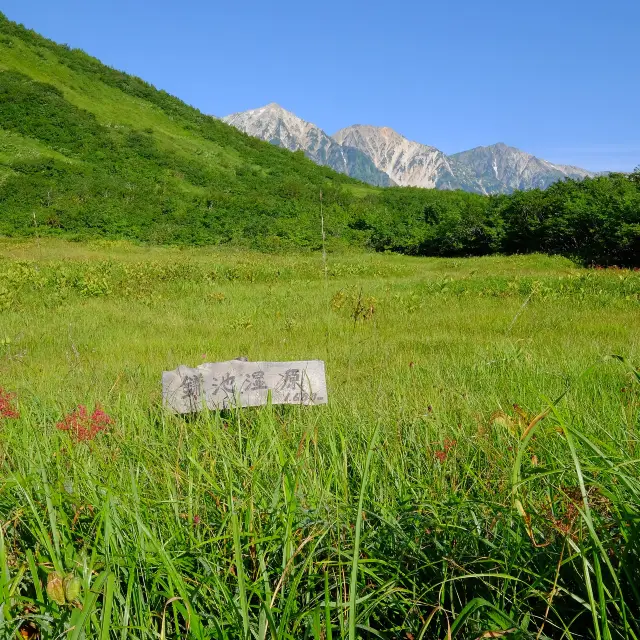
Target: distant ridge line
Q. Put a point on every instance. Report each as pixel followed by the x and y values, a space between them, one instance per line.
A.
pixel 383 157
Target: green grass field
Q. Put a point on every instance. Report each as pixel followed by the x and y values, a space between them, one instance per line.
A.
pixel 425 501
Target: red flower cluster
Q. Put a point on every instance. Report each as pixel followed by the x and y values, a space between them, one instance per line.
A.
pixel 7 406
pixel 442 454
pixel 83 426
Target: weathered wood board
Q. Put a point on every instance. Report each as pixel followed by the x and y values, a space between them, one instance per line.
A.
pixel 238 383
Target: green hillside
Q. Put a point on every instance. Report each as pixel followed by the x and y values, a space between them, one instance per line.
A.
pixel 86 150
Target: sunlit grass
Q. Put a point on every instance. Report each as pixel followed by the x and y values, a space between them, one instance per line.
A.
pixel 244 524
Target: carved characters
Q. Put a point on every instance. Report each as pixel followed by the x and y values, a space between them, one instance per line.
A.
pixel 239 383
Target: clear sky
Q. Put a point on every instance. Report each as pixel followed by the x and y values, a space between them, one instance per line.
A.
pixel 557 78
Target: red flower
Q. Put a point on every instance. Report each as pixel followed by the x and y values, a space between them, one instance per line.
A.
pixel 449 443
pixel 83 426
pixel 441 455
pixel 7 406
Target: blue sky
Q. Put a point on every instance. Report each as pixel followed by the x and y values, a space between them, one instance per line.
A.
pixel 560 79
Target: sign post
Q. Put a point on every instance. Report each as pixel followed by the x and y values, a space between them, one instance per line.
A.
pixel 238 383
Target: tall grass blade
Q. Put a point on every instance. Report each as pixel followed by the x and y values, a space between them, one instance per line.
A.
pixel 353 583
pixel 107 607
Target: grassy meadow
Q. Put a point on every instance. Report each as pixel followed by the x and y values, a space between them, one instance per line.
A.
pixel 475 471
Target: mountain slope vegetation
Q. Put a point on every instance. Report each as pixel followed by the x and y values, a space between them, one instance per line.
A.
pixel 86 150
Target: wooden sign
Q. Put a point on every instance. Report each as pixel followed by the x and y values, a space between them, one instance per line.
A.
pixel 238 383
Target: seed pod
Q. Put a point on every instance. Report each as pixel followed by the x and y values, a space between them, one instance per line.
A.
pixel 55 587
pixel 72 585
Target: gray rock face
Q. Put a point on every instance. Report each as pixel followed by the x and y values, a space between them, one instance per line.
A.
pixel 502 169
pixel 408 164
pixel 284 129
pixel 494 169
pixel 383 157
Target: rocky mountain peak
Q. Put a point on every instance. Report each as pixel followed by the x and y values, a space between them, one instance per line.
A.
pixel 384 157
pixel 407 163
pixel 284 129
pixel 501 168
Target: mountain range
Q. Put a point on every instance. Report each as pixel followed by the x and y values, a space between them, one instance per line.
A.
pixel 383 157
pixel 284 129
